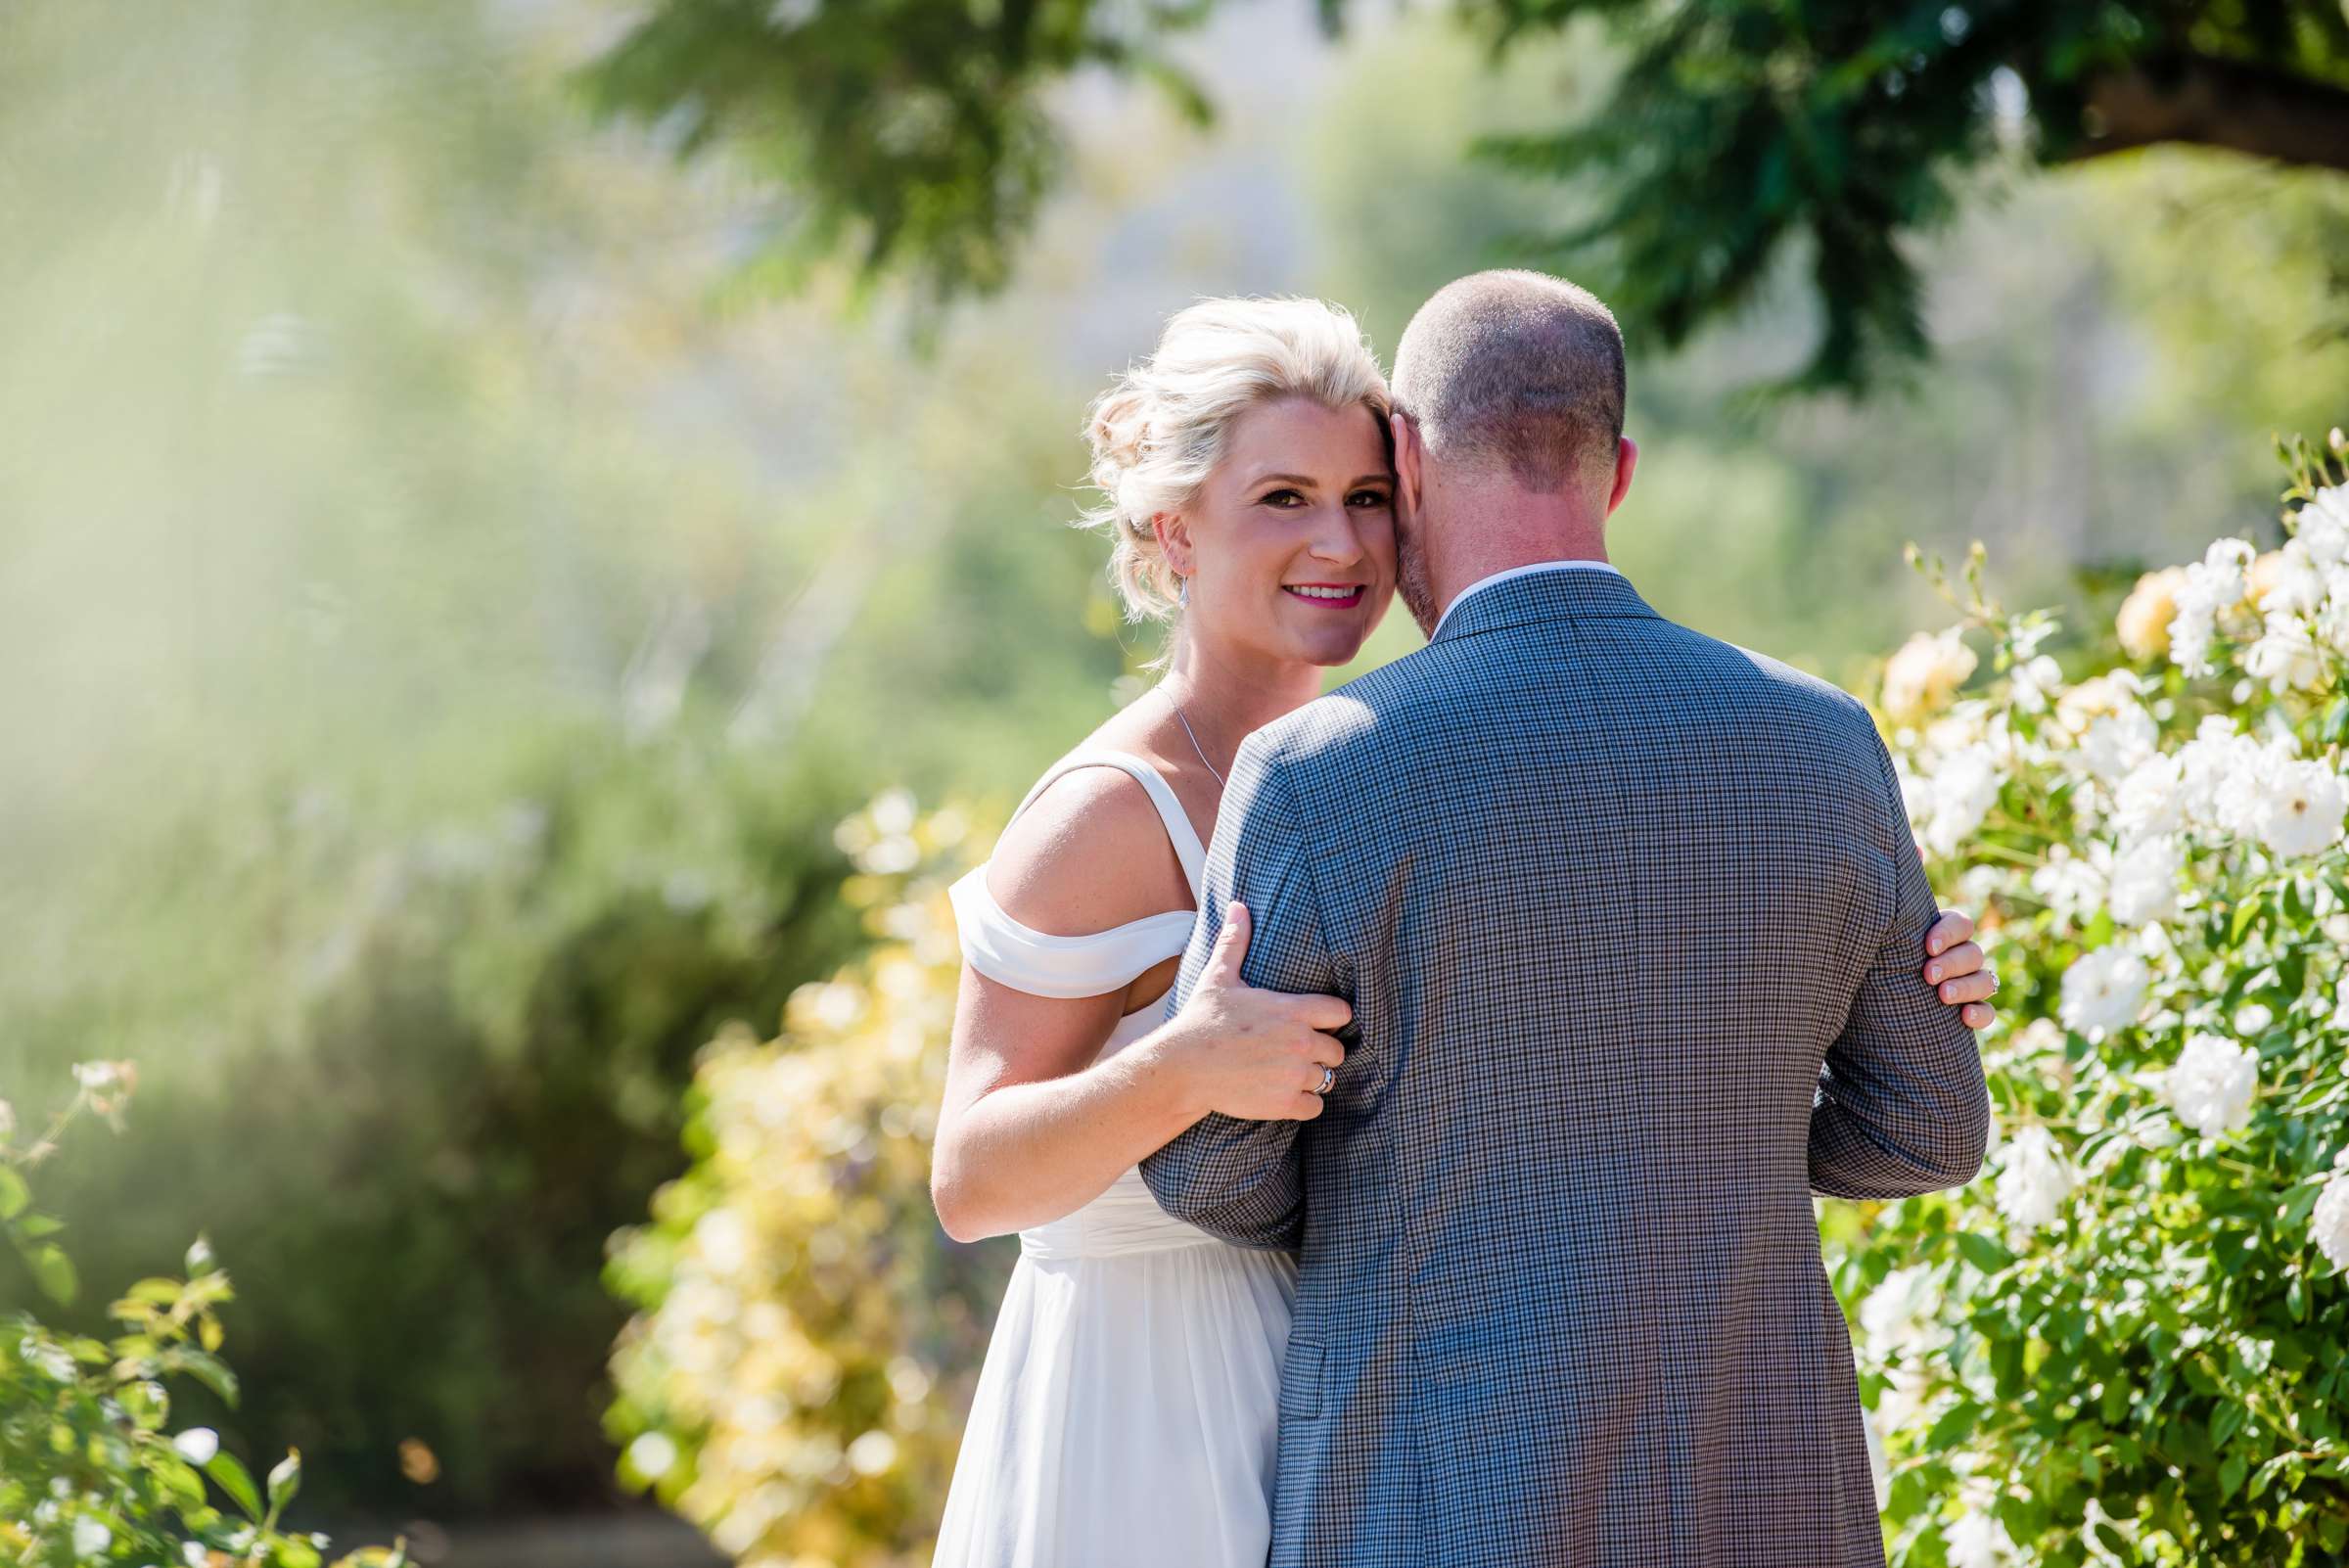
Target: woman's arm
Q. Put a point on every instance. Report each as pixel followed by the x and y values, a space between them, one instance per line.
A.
pixel 1032 1127
pixel 1026 1138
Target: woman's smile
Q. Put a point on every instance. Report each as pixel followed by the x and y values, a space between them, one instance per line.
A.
pixel 1327 595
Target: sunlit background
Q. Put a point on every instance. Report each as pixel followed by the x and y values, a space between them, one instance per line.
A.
pixel 448 600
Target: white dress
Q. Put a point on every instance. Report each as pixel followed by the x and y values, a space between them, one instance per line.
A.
pixel 1126 1415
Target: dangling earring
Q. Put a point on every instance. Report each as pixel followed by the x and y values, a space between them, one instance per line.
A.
pixel 1183 592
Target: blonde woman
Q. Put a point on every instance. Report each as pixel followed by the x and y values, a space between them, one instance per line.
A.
pixel 1126 1415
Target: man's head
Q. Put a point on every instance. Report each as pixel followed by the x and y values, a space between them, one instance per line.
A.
pixel 1509 386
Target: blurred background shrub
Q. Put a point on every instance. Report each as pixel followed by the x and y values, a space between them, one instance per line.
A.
pixel 809 1337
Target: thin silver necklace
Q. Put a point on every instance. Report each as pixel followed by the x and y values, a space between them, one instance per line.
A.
pixel 1185 722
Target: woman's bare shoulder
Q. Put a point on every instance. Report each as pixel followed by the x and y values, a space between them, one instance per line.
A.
pixel 1090 853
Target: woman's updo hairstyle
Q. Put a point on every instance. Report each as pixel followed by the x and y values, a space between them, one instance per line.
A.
pixel 1161 427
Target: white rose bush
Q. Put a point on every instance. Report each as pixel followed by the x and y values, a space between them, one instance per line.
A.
pixel 2129 1342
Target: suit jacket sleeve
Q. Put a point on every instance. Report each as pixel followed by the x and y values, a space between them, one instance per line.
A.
pixel 1242 1181
pixel 1902 1106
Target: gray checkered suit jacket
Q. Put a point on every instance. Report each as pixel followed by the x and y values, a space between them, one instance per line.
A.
pixel 1632 925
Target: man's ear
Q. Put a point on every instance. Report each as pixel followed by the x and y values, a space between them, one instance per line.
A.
pixel 1627 458
pixel 1409 470
pixel 1173 541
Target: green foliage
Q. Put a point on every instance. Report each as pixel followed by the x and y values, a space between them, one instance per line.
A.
pixel 1739 127
pixel 2125 1346
pixel 88 1473
pixel 808 1337
pixel 1736 132
pixel 448 645
pixel 912 132
pixel 440 1064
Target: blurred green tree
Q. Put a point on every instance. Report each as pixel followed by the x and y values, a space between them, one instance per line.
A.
pixel 915 132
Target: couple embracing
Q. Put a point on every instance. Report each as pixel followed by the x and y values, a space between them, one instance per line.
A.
pixel 1409 1100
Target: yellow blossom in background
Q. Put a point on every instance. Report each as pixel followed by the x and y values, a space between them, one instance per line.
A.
pixel 2266 573
pixel 1926 672
pixel 797 1381
pixel 2144 618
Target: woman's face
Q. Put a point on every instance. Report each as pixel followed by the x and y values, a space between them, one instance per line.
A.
pixel 1290 545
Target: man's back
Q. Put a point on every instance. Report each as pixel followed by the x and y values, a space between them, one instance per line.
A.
pixel 1603 894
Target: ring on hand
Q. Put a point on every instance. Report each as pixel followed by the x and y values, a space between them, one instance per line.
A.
pixel 1329 1076
pixel 1994 980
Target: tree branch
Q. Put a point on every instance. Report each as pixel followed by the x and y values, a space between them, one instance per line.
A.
pixel 2210 102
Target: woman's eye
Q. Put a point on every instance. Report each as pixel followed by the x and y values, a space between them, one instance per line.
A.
pixel 1283 499
pixel 1368 498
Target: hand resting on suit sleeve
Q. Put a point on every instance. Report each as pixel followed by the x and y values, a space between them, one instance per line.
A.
pixel 1238 1179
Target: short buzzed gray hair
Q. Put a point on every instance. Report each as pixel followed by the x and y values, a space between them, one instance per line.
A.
pixel 1515 369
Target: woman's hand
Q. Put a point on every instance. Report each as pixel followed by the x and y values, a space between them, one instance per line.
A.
pixel 1955 969
pixel 1257 1056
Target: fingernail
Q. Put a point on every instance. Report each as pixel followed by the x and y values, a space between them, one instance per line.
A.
pixel 1933 973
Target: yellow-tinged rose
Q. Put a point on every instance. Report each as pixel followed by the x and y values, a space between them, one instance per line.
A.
pixel 1925 675
pixel 2266 573
pixel 2100 697
pixel 2145 614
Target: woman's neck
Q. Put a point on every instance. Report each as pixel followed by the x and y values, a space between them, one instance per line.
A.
pixel 1227 698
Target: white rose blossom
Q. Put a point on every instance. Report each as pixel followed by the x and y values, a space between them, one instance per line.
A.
pixel 2035 1181
pixel 2295 579
pixel 2145 882
pixel 2300 810
pixel 1977 1541
pixel 2213 585
pixel 2150 802
pixel 2323 525
pixel 2074 886
pixel 2329 1224
pixel 1895 1315
pixel 2030 682
pixel 2286 656
pixel 2117 743
pixel 2213 1084
pixel 1964 789
pixel 2103 990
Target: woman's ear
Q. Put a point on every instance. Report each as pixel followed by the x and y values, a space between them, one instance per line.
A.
pixel 1408 469
pixel 1173 532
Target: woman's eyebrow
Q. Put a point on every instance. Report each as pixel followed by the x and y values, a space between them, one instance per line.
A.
pixel 1373 478
pixel 1286 479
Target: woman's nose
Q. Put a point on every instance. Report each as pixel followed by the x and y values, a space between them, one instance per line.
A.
pixel 1337 537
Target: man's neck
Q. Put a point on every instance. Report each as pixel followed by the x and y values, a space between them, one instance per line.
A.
pixel 1493 528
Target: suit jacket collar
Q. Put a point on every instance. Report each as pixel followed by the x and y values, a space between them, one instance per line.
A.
pixel 1544 596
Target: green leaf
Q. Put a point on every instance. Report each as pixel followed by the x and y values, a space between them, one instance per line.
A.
pixel 54 1272
pixel 2232 1474
pixel 2227 1420
pixel 2244 913
pixel 1983 1253
pixel 205 1369
pixel 13 1193
pixel 285 1479
pixel 1956 1425
pixel 236 1481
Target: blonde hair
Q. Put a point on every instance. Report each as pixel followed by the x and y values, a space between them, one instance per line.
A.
pixel 1160 430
